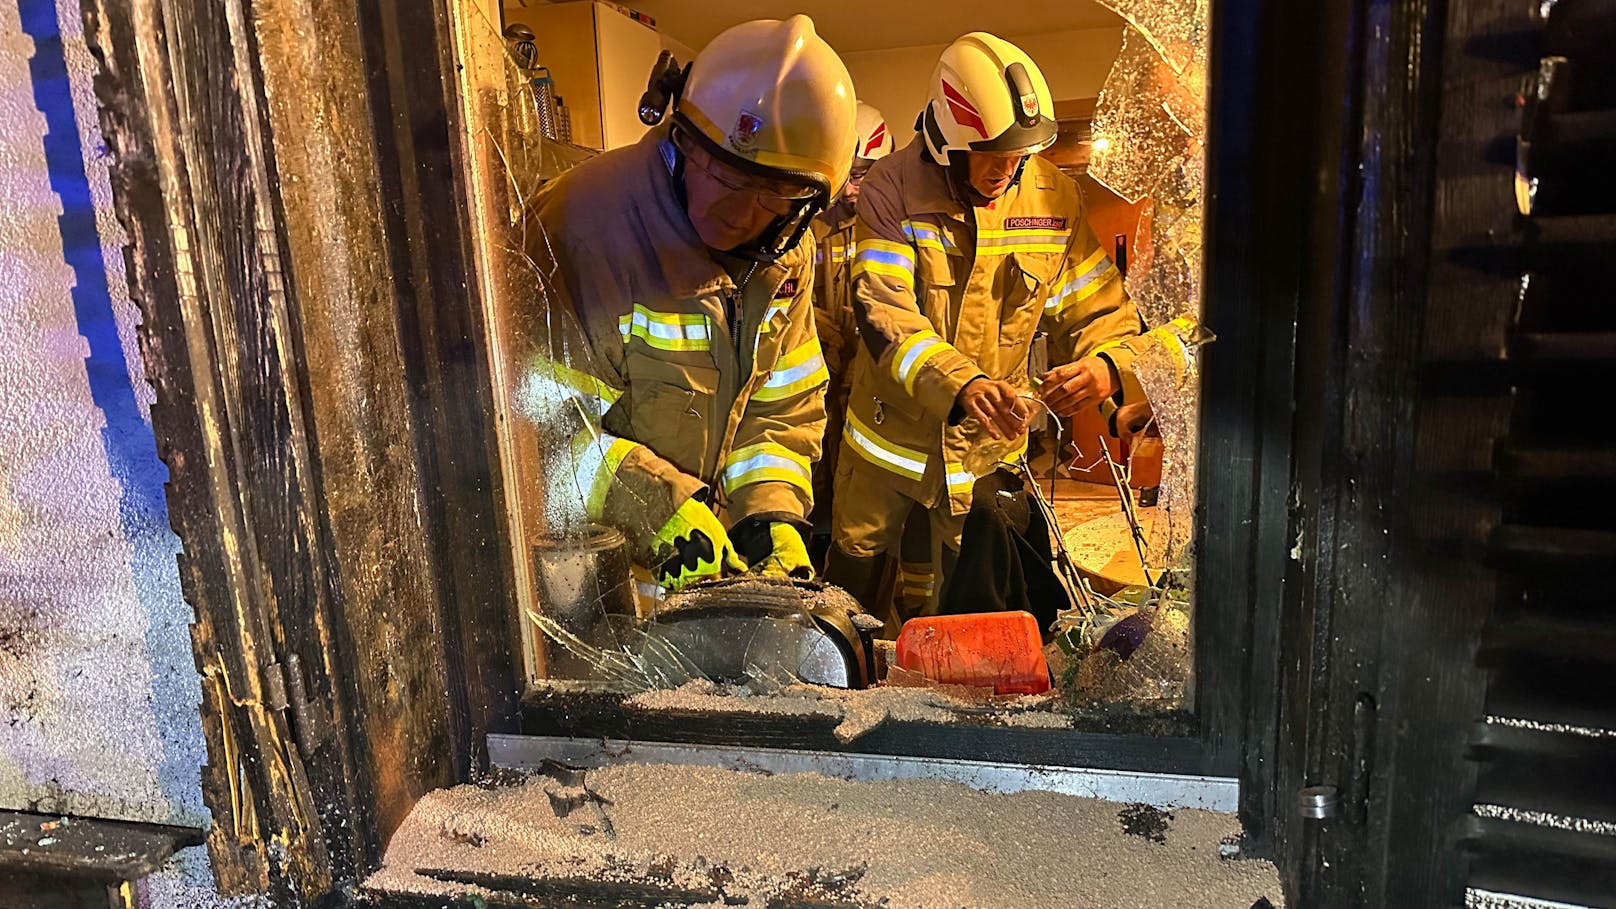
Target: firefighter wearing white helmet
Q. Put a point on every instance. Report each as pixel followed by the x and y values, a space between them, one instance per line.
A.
pixel 833 301
pixel 966 244
pixel 684 260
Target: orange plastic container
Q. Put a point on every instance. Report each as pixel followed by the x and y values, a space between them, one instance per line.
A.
pixel 997 649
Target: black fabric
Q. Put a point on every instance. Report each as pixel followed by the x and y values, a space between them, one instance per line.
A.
pixel 1005 556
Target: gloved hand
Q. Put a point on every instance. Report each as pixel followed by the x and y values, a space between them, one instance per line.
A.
pixel 773 546
pixel 701 550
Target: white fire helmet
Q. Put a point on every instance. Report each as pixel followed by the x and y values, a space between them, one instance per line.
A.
pixel 874 141
pixel 987 95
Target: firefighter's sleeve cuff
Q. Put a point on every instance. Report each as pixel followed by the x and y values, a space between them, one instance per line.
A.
pixel 776 498
pixel 1121 357
pixel 644 495
pixel 938 392
pixel 956 414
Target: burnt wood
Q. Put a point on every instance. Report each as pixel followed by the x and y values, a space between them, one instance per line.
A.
pixel 180 190
pixel 298 250
pixel 85 849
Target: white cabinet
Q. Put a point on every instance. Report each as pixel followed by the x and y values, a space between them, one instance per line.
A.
pixel 599 59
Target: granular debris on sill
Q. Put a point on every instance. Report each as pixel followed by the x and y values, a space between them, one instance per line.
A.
pixel 859 712
pixel 684 836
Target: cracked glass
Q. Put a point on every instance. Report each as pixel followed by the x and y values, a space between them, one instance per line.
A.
pixel 592 621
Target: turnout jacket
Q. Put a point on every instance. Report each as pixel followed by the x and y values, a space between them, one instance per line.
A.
pixel 705 388
pixel 945 292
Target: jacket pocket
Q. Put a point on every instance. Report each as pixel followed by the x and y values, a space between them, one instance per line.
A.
pixel 674 409
pixel 936 274
pixel 1021 310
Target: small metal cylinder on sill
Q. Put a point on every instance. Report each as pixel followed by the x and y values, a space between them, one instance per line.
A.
pixel 1317 802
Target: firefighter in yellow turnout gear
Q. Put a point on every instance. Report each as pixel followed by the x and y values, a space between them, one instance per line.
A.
pixel 966 243
pixel 684 258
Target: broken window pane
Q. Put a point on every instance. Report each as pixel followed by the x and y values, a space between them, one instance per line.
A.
pixel 756 644
pixel 1149 128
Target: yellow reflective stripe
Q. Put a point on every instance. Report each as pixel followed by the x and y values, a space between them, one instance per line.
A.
pixel 800 370
pixel 884 257
pixel 926 236
pixel 775 308
pixel 903 276
pixel 959 479
pixel 666 330
pixel 917 579
pixel 1028 248
pixel 994 241
pixel 547 386
pixel 999 233
pixel 1080 272
pixel 766 461
pixel 913 353
pixel 576 379
pixel 595 460
pixel 1095 286
pixel 903 461
pixel 1082 282
pixel 899 253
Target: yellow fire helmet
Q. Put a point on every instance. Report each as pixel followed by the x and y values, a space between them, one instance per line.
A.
pixel 874 142
pixel 767 97
pixel 987 95
pixel 772 93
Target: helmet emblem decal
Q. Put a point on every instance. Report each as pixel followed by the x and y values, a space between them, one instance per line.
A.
pixel 1029 104
pixel 877 136
pixel 743 137
pixel 964 113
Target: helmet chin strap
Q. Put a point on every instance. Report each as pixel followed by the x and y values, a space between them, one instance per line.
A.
pixel 767 248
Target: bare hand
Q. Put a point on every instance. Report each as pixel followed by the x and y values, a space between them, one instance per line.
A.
pixel 1070 388
pixel 995 405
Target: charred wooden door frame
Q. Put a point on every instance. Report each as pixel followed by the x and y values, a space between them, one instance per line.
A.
pixel 286 172
pixel 331 454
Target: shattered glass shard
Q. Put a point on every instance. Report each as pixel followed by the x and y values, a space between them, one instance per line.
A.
pixel 1141 139
pixel 1175 29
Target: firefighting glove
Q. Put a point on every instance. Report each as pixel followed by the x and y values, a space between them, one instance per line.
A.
pixel 700 549
pixel 772 544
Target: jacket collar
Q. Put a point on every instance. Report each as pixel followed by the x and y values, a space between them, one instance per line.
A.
pixel 926 184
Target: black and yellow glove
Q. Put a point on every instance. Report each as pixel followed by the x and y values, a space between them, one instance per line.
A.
pixel 772 544
pixel 694 547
